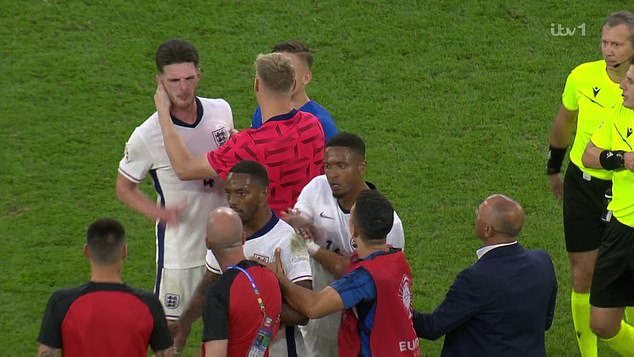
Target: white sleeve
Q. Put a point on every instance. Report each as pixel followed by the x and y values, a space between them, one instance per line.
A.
pixel 396 237
pixel 137 158
pixel 229 115
pixel 306 202
pixel 296 266
pixel 212 263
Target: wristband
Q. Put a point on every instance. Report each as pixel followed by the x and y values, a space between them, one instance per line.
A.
pixel 555 159
pixel 311 247
pixel 612 160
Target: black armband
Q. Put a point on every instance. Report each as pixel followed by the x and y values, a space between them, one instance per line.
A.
pixel 555 159
pixel 612 160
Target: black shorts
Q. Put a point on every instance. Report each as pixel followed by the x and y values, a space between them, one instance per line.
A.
pixel 613 279
pixel 583 207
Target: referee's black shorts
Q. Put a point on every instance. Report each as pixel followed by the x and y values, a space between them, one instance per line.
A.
pixel 613 279
pixel 583 206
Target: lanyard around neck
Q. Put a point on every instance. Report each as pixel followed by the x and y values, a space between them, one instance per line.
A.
pixel 255 288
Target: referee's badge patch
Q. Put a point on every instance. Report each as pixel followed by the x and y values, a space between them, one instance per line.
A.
pixel 172 301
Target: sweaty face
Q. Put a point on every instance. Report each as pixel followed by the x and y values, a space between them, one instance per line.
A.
pixel 245 195
pixel 616 45
pixel 344 170
pixel 181 80
pixel 627 85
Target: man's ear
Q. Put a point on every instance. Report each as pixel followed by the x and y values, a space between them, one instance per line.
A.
pixel 362 165
pixel 86 251
pixel 489 231
pixel 353 229
pixel 308 76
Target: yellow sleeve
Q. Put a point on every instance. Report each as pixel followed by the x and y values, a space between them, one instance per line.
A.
pixel 570 97
pixel 602 137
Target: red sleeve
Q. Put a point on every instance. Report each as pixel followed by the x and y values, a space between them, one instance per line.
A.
pixel 238 148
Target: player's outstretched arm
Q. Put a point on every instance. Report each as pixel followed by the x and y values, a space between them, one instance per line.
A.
pixel 128 192
pixel 311 304
pixel 336 264
pixel 302 225
pixel 194 309
pixel 290 316
pixel 184 164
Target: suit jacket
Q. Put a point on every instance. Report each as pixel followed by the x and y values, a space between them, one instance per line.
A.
pixel 499 306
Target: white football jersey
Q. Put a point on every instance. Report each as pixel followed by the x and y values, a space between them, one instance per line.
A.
pixel 180 246
pixel 317 203
pixel 276 233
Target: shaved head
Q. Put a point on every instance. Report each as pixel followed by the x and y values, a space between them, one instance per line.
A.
pixel 224 229
pixel 504 214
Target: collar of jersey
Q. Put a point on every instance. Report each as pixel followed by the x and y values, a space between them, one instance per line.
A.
pixel 347 211
pixel 373 255
pixel 267 227
pixel 199 116
pixel 281 117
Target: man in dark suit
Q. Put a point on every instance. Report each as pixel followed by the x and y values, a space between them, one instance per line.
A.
pixel 502 304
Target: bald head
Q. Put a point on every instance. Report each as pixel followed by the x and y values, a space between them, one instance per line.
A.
pixel 503 214
pixel 224 229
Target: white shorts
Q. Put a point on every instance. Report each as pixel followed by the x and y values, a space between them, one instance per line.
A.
pixel 176 289
pixel 279 346
pixel 316 345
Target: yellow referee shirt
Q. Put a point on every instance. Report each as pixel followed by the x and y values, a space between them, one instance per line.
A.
pixel 590 91
pixel 615 133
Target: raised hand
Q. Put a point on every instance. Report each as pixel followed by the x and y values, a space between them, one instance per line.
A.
pixel 161 99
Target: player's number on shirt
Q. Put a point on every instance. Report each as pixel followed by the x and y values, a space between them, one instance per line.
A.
pixel 209 182
pixel 329 246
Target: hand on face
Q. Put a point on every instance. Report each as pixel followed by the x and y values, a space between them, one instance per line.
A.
pixel 161 99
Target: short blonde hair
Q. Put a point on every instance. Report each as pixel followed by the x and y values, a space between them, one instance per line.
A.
pixel 275 71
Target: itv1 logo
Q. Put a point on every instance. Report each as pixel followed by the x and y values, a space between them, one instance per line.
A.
pixel 559 30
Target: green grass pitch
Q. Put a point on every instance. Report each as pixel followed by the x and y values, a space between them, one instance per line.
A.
pixel 454 99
